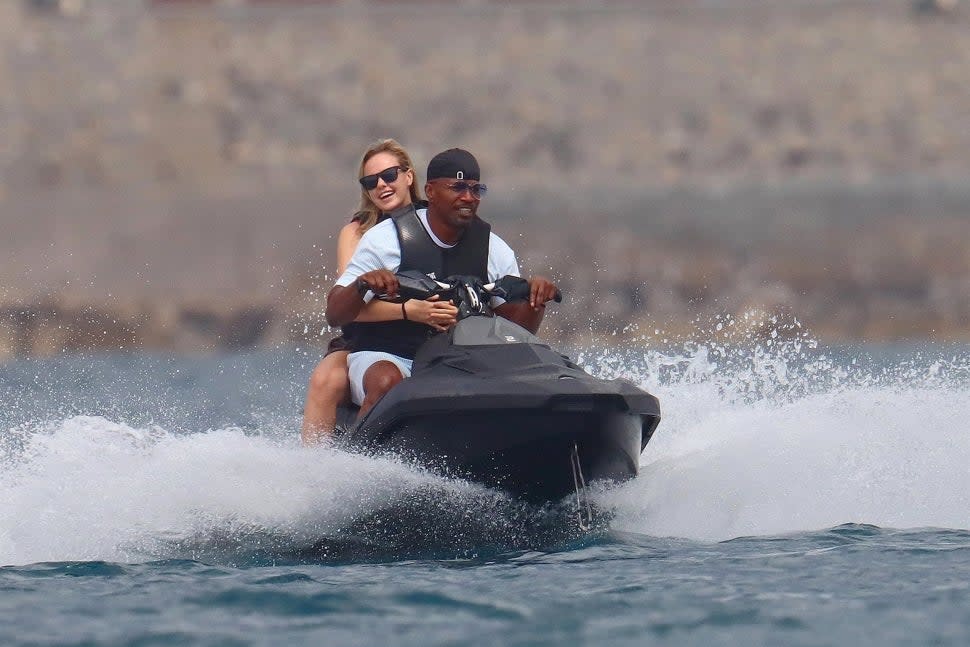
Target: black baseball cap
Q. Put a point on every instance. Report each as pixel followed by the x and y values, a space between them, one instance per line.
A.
pixel 454 164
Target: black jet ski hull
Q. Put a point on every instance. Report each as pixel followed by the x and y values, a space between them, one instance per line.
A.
pixel 526 453
pixel 492 404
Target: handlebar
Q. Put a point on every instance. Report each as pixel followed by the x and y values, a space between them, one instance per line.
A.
pixel 513 288
pixel 467 292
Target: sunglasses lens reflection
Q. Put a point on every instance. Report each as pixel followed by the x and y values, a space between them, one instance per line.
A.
pixel 477 190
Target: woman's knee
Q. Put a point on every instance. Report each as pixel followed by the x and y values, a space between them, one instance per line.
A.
pixel 329 378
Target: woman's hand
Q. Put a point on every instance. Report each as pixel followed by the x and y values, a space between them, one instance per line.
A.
pixel 440 315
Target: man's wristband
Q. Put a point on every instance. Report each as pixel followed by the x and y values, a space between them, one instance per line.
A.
pixel 362 287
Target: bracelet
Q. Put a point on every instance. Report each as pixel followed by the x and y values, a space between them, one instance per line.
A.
pixel 403 311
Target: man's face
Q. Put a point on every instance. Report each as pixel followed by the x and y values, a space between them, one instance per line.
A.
pixel 454 201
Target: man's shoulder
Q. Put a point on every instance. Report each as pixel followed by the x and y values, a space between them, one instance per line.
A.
pixel 497 243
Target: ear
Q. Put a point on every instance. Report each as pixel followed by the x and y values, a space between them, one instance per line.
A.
pixel 410 175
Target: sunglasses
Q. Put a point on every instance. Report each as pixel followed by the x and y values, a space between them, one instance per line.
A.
pixel 369 182
pixel 478 190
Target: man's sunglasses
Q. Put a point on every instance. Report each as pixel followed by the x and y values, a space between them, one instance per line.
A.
pixel 478 190
pixel 369 182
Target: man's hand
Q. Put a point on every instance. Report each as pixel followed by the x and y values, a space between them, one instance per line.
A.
pixel 541 290
pixel 381 282
pixel 529 315
pixel 344 303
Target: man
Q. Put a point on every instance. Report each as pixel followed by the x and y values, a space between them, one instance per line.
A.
pixel 445 239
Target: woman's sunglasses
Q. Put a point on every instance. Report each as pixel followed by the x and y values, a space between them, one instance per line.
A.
pixel 369 182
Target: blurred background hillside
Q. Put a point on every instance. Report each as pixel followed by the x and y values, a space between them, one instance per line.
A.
pixel 173 173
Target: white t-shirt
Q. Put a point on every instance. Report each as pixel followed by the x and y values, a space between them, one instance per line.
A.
pixel 379 249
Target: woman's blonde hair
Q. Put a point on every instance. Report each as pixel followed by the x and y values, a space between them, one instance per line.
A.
pixel 368 212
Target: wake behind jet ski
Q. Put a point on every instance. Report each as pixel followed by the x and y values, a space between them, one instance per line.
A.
pixel 490 402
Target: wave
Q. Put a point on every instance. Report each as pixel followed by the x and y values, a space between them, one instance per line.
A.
pixel 761 441
pixel 89 489
pixel 766 440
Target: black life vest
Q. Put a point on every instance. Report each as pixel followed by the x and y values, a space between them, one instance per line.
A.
pixel 420 252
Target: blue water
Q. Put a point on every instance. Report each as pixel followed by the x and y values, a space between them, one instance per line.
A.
pixel 792 495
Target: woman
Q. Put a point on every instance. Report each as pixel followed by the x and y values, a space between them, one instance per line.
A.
pixel 388 182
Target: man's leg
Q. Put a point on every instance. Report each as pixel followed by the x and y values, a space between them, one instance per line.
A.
pixel 372 374
pixel 380 378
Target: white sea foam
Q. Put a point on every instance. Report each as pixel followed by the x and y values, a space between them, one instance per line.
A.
pixel 752 442
pixel 92 489
pixel 784 443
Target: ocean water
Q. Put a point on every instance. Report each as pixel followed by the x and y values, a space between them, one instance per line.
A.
pixel 793 494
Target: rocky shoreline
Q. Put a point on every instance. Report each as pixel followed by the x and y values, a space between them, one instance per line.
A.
pixel 871 264
pixel 172 174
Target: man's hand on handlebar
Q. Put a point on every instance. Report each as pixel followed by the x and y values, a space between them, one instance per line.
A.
pixel 541 290
pixel 380 282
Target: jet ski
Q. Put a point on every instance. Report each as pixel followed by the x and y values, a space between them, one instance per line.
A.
pixel 492 403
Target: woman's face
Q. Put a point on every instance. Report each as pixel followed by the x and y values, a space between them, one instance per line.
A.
pixel 392 195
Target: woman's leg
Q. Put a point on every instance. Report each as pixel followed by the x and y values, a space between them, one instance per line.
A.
pixel 328 388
